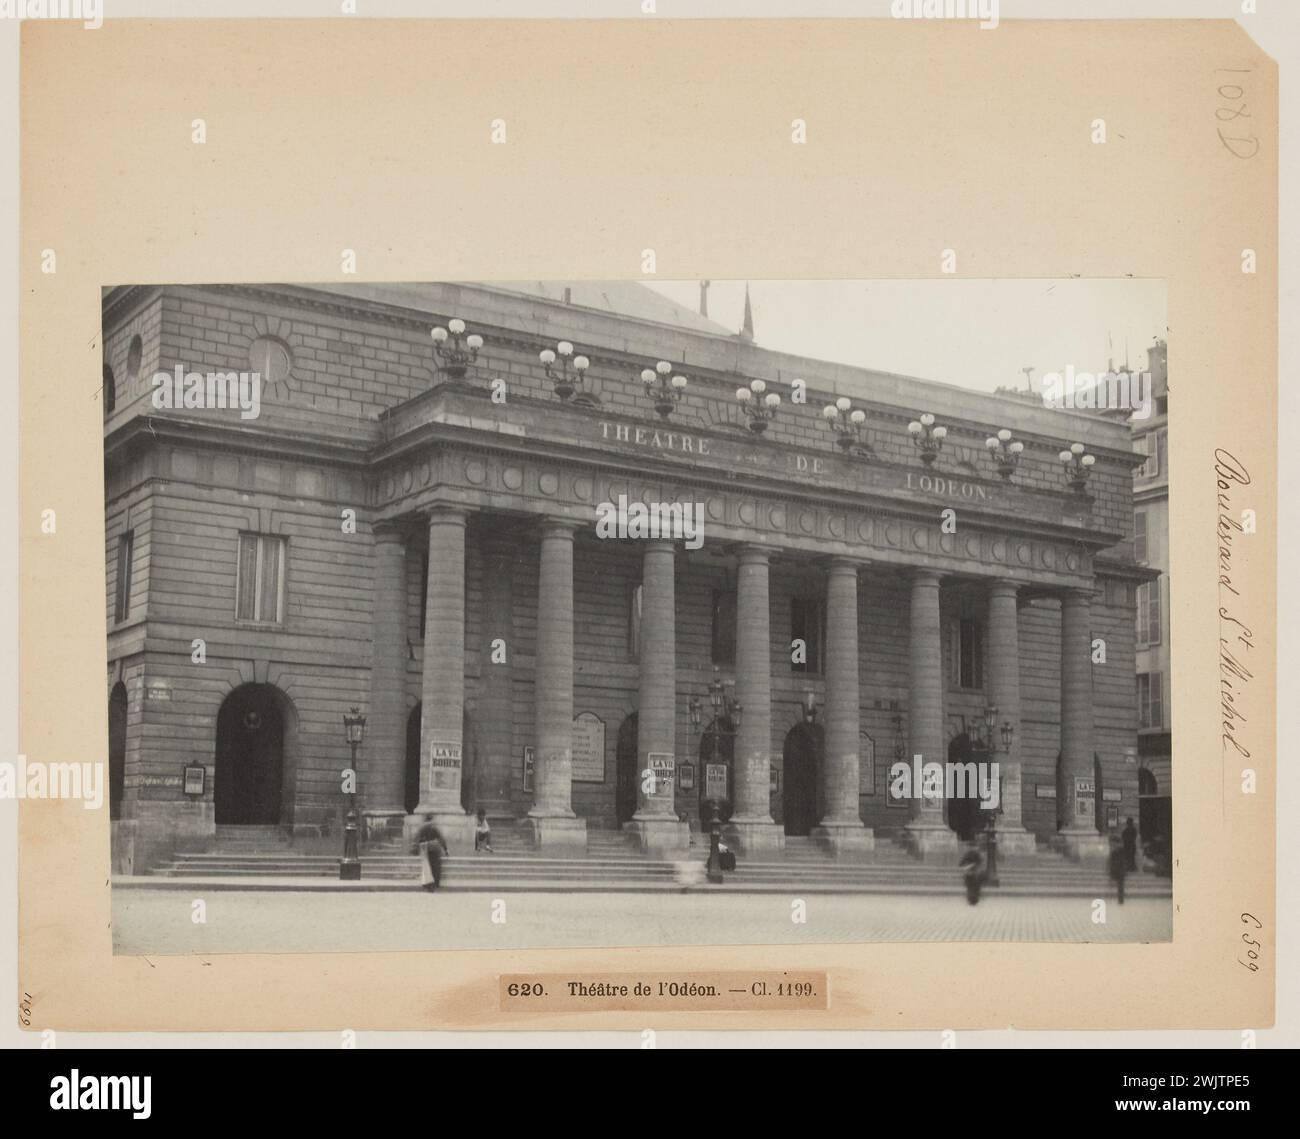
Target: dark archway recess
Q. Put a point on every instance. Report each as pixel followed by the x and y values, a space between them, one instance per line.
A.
pixel 249 771
pixel 411 798
pixel 110 391
pixel 625 796
pixel 469 762
pixel 801 758
pixel 963 813
pixel 116 749
pixel 717 745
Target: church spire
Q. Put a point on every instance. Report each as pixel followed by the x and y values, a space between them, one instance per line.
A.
pixel 747 329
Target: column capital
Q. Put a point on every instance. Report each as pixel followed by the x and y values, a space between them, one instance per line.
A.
pixel 924 575
pixel 753 553
pixel 1003 586
pixel 1078 595
pixel 556 526
pixel 449 514
pixel 658 545
pixel 844 563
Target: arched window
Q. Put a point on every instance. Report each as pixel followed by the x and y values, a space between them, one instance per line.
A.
pixel 1147 782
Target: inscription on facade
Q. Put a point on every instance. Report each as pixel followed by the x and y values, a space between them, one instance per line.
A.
pixel 654 437
pixel 942 487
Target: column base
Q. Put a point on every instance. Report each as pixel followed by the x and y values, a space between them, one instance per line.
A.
pixel 752 836
pixel 1086 847
pixel 850 842
pixel 665 837
pixel 932 843
pixel 456 827
pixel 1016 843
pixel 558 832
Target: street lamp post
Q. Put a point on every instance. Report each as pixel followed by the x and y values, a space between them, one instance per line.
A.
pixel 713 868
pixel 725 706
pixel 354 724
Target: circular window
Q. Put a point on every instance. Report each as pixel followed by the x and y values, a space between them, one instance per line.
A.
pixel 133 354
pixel 270 358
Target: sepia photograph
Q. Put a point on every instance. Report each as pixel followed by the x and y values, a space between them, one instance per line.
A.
pixel 644 613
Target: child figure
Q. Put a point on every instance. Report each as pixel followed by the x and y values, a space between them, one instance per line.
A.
pixel 482 833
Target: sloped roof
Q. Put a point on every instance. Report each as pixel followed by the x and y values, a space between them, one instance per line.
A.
pixel 615 298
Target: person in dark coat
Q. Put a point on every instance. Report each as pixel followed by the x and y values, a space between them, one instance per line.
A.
pixel 435 848
pixel 1130 836
pixel 973 872
pixel 1118 867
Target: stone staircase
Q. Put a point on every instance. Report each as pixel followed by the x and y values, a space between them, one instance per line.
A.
pixel 611 864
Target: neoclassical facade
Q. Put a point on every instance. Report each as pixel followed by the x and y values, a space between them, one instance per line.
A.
pixel 413 535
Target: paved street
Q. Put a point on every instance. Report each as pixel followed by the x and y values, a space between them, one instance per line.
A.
pixel 158 921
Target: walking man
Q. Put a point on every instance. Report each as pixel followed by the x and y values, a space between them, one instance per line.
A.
pixel 432 847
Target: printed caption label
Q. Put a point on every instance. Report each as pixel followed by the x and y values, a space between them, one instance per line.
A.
pixel 734 991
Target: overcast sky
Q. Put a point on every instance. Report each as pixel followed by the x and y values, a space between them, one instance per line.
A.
pixel 976 333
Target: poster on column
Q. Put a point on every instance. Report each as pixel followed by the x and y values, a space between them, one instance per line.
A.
pixel 444 764
pixel 564 362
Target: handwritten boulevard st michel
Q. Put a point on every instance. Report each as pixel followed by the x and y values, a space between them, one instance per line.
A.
pixel 1234 637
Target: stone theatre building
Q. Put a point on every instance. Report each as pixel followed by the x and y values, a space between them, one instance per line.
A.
pixel 412 533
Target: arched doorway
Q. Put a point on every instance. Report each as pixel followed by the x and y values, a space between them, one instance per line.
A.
pixel 717 749
pixel 469 762
pixel 801 759
pixel 116 749
pixel 963 811
pixel 248 781
pixel 625 781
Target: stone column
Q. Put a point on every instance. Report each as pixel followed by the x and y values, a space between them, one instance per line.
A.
pixel 1003 641
pixel 551 816
pixel 926 832
pixel 841 827
pixel 495 707
pixel 751 827
pixel 382 778
pixel 655 823
pixel 1082 840
pixel 443 684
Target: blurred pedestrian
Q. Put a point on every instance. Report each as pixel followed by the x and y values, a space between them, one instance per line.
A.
pixel 432 847
pixel 1118 867
pixel 972 864
pixel 1130 836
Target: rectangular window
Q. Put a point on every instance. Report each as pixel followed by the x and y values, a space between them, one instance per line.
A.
pixel 1162 451
pixel 968 654
pixel 1140 551
pixel 1150 703
pixel 807 624
pixel 122 598
pixel 1148 613
pixel 259 585
pixel 724 627
pixel 1151 445
pixel 635 596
